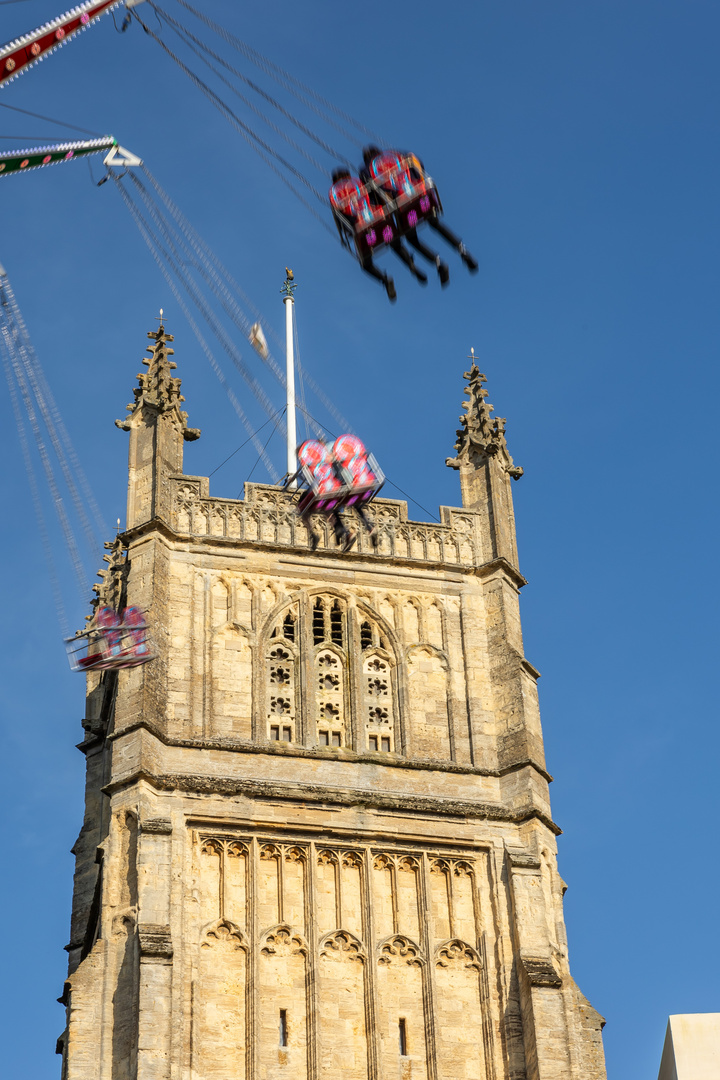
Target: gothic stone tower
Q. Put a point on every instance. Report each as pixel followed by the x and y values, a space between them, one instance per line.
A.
pixel 317 841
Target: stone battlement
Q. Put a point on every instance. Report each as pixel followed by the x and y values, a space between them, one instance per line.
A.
pixel 267 517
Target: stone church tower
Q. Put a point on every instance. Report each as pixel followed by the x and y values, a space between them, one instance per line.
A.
pixel 317 841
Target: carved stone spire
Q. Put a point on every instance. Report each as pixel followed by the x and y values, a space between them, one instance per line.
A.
pixel 158 428
pixel 109 591
pixel 485 466
pixel 481 432
pixel 157 389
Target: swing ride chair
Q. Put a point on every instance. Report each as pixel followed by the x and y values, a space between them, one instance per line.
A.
pixel 363 221
pixel 116 641
pixel 371 212
pixel 338 476
pixel 372 217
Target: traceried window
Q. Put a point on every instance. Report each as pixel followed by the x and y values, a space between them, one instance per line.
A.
pixel 286 628
pixel 378 703
pixel 321 716
pixel 280 680
pixel 330 670
pixel 371 637
pixel 330 697
pixel 328 621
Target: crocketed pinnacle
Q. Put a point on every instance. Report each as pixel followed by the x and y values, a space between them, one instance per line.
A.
pixel 481 433
pixel 157 389
pixel 109 591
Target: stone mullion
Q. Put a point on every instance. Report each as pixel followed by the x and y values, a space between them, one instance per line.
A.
pixel 206 657
pixel 281 884
pixel 449 704
pixel 372 1027
pixel 510 1021
pixel 426 942
pixel 312 961
pixel 259 666
pixel 487 1021
pixel 461 743
pixel 355 677
pixel 195 706
pixel 422 622
pixel 305 697
pixel 481 944
pixel 253 987
pixel 450 897
pixel 222 855
pixel 338 890
pixel 394 894
pixel 468 706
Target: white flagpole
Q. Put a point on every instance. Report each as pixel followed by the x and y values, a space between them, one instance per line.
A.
pixel 287 291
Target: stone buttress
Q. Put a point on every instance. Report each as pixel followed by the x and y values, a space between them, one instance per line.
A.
pixel 318 842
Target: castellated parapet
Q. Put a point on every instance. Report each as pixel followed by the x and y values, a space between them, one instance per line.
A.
pixel 318 842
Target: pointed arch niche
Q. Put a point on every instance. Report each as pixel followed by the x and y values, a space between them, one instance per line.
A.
pixel 231 681
pixel 379 729
pixel 429 713
pixel 460 1047
pixel 281 678
pixel 344 1006
pixel 220 1003
pixel 401 998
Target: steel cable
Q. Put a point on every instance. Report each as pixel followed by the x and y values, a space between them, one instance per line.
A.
pixel 245 130
pixel 34 488
pixel 38 384
pixel 185 35
pixel 204 252
pixel 54 420
pixel 213 269
pixel 153 248
pixel 75 558
pixel 199 301
pixel 286 80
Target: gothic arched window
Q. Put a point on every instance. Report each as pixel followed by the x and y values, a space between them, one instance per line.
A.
pixel 281 680
pixel 330 698
pixel 319 630
pixel 378 702
pixel 330 671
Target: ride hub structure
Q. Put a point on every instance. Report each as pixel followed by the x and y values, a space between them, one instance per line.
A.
pixel 317 840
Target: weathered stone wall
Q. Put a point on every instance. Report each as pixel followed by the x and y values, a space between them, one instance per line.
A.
pixel 318 842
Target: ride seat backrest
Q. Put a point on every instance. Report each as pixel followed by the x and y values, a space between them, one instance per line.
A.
pixel 136 638
pixel 351 455
pixel 398 174
pixel 106 619
pixel 316 461
pixel 351 198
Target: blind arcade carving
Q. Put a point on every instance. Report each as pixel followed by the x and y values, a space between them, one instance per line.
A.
pixel 375 949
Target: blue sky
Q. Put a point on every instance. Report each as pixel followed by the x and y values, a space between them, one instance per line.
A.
pixel 576 150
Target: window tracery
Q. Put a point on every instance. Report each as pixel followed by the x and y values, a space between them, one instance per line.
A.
pixel 330 698
pixel 281 680
pixel 321 715
pixel 378 705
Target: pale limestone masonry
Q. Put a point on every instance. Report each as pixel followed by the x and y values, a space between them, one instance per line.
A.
pixel 692 1047
pixel 318 842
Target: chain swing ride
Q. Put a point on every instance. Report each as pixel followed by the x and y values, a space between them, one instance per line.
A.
pixel 380 207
